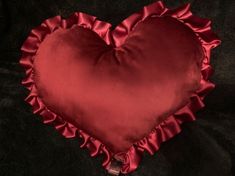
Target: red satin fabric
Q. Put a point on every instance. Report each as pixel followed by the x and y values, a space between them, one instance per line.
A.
pixel 123 91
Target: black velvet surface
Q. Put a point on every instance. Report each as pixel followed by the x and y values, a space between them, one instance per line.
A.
pixel 205 147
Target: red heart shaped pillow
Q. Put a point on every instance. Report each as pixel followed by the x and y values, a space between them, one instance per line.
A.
pixel 124 90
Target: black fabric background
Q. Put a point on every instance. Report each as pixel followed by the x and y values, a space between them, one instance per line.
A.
pixel 206 147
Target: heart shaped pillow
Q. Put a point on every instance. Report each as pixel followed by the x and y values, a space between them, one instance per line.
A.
pixel 125 90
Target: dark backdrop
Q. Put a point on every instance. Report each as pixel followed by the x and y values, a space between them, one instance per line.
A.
pixel 206 147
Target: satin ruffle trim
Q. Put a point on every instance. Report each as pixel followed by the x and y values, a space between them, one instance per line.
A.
pixel 169 127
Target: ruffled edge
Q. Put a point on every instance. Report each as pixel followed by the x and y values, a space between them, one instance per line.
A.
pixel 162 132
